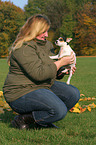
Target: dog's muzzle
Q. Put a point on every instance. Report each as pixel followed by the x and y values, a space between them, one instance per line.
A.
pixel 56 42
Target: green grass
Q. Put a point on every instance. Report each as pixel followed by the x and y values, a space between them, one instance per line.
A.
pixel 75 129
pixel 85 76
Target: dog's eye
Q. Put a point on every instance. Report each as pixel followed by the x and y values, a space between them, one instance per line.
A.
pixel 60 39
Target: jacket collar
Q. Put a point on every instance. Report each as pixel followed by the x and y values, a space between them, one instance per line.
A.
pixel 40 42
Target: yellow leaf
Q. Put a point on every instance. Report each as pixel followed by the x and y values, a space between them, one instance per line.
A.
pixel 89 108
pixel 1 93
pixel 92 105
pixel 77 105
pixel 80 99
pixel 1 103
pixel 76 110
pixel 6 106
pixel 85 99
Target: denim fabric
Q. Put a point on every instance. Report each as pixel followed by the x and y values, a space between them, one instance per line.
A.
pixel 48 106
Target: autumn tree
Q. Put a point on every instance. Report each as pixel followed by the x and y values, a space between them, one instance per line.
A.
pixel 11 19
pixel 62 16
pixel 68 20
pixel 61 13
pixel 35 7
pixel 85 31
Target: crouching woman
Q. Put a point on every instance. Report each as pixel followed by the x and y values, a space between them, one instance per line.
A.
pixel 31 88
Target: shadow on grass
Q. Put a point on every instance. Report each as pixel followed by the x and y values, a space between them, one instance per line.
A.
pixel 8 116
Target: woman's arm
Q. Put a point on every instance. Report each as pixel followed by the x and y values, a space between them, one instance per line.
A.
pixel 33 65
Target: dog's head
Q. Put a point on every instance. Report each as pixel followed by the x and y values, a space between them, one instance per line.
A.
pixel 62 40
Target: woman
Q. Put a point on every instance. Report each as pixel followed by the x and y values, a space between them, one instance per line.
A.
pixel 31 88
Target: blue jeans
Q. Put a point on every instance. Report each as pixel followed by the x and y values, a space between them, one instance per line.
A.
pixel 48 106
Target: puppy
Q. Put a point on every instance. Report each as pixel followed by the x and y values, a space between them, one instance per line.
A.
pixel 65 50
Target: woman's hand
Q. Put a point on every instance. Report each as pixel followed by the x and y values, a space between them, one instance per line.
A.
pixel 65 61
pixel 68 59
pixel 73 70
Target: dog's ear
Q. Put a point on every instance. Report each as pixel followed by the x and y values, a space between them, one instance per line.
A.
pixel 68 40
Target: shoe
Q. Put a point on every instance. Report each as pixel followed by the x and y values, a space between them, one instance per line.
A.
pixel 22 121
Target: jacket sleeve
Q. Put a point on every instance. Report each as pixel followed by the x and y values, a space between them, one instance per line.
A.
pixel 33 65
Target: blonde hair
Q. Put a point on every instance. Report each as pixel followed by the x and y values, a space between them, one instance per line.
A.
pixel 34 26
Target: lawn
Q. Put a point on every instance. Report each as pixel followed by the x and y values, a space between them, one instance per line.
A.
pixel 75 129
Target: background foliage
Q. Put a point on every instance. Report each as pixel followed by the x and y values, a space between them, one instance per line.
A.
pixel 11 19
pixel 69 18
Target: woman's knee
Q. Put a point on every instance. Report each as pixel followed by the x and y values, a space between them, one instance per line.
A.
pixel 74 98
pixel 61 111
pixel 76 94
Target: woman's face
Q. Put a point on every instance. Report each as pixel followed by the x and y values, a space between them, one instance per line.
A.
pixel 43 36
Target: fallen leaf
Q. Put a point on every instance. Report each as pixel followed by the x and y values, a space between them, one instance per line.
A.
pixel 6 106
pixel 82 95
pixel 76 110
pixel 93 98
pixel 87 99
pixel 92 105
pixel 1 93
pixel 1 110
pixel 1 103
pixel 77 105
pixel 89 108
pixel 82 109
pixel 80 99
pixel 71 110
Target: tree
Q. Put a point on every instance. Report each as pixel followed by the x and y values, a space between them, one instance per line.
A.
pixel 85 31
pixel 69 21
pixel 12 18
pixel 56 11
pixel 35 7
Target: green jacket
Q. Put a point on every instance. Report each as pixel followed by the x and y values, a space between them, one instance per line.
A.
pixel 30 69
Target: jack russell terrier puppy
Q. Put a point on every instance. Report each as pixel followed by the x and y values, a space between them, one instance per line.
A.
pixel 65 50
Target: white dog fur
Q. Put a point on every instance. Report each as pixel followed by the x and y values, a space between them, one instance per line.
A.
pixel 65 50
